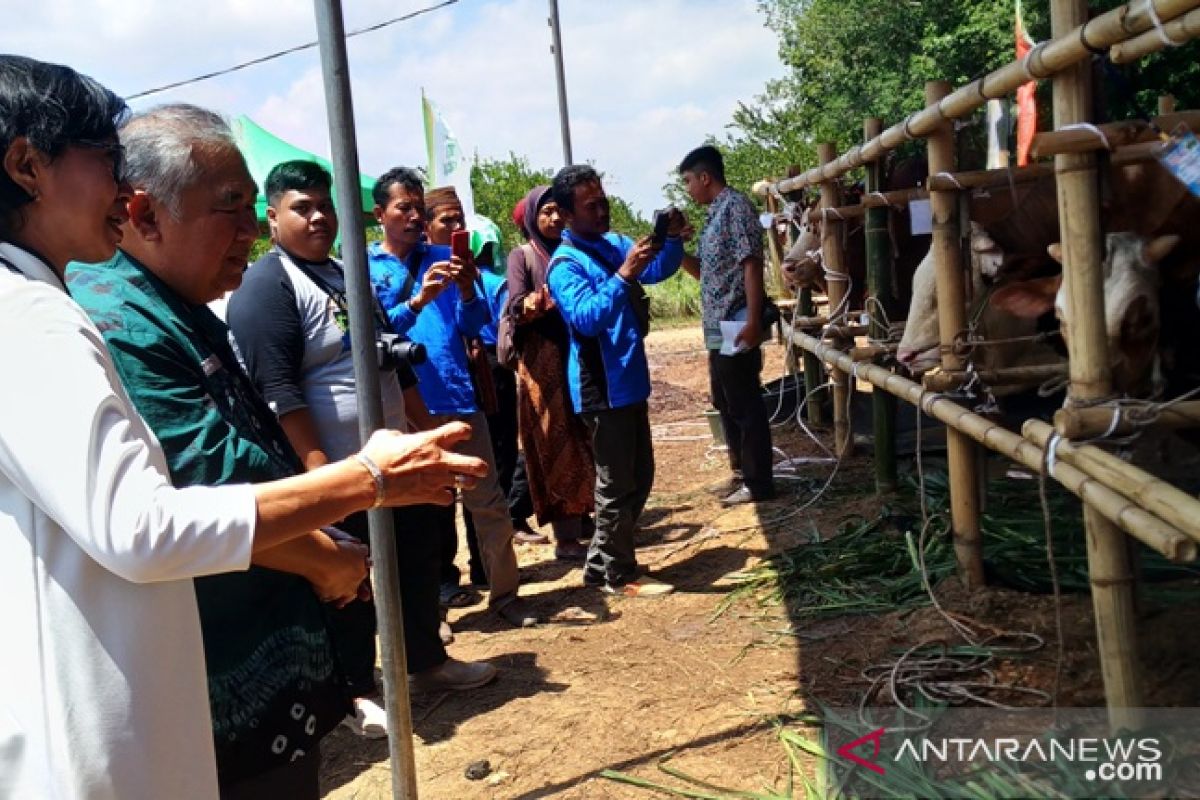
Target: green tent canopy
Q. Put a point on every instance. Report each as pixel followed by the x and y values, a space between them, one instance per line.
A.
pixel 263 150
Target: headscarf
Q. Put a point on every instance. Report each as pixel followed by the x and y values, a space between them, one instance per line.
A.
pixel 518 217
pixel 538 196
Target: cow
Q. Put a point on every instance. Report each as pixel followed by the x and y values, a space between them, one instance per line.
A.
pixel 919 349
pixel 1131 306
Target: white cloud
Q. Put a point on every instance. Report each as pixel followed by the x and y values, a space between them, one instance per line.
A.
pixel 646 80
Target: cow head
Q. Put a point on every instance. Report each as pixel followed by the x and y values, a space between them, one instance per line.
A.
pixel 918 348
pixel 1131 307
pixel 802 266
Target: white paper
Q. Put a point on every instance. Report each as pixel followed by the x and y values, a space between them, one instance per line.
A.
pixel 729 331
pixel 920 217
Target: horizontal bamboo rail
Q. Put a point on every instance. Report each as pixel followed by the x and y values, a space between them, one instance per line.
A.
pixel 1088 423
pixel 1177 31
pixel 1109 136
pixel 1047 58
pixel 948 381
pixel 1175 507
pixel 1139 523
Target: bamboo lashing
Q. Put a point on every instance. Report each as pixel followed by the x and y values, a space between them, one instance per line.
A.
pixel 1083 288
pixel 1110 136
pixel 947 381
pixel 1171 34
pixel 1069 49
pixel 1093 421
pixel 1174 507
pixel 1138 523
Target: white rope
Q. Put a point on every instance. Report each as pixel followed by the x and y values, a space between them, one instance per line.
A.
pixel 1090 128
pixel 1159 28
pixel 951 177
pixel 1116 421
pixel 1052 453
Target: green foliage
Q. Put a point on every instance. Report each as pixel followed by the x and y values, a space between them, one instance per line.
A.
pixel 850 59
pixel 499 184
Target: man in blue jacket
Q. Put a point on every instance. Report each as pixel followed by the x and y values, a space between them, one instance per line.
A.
pixel 430 297
pixel 595 278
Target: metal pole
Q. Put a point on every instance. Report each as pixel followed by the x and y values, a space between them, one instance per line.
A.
pixel 564 120
pixel 334 67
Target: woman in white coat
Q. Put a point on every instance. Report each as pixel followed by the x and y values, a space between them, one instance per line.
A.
pixel 102 687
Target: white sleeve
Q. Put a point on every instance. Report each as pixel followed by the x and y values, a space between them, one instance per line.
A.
pixel 71 441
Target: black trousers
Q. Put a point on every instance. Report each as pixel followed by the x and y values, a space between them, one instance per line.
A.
pixel 354 626
pixel 736 385
pixel 624 454
pixel 299 780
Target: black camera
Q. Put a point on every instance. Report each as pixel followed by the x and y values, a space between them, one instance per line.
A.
pixel 391 351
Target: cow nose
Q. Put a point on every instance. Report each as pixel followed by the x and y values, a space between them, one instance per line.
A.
pixel 905 356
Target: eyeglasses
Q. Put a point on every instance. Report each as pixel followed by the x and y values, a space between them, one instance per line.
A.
pixel 114 150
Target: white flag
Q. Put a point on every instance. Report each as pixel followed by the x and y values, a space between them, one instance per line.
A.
pixel 447 164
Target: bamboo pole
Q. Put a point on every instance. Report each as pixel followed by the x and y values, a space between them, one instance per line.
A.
pixel 948 381
pixel 1083 285
pixel 837 278
pixel 1137 522
pixel 1178 31
pixel 814 370
pixel 1088 423
pixel 1069 49
pixel 1166 103
pixel 1176 508
pixel 1111 136
pixel 774 248
pixel 952 320
pixel 879 287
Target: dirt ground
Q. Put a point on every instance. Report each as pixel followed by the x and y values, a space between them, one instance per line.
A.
pixel 619 684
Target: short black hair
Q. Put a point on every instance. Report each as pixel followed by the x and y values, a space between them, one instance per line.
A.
pixel 295 176
pixel 54 107
pixel 704 159
pixel 563 187
pixel 408 178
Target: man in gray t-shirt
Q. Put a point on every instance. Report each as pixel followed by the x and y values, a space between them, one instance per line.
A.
pixel 289 318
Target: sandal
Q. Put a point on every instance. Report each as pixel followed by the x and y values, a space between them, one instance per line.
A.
pixel 453 596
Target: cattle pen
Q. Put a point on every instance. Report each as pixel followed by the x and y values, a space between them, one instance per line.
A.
pixel 1118 498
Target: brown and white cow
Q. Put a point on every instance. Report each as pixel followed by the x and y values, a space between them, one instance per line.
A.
pixel 919 348
pixel 1131 306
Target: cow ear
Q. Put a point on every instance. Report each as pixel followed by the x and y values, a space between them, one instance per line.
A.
pixel 1028 299
pixel 1156 250
pixel 1055 251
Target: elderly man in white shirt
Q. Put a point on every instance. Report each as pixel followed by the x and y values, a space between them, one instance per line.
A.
pixel 103 690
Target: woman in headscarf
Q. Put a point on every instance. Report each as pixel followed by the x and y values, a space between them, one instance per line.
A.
pixel 558 458
pixel 104 690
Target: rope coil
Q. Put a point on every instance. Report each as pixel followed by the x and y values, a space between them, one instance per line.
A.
pixel 1090 128
pixel 1159 28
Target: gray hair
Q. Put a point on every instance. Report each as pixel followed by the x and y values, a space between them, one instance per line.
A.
pixel 163 148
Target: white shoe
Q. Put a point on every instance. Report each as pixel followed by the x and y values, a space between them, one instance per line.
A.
pixel 369 720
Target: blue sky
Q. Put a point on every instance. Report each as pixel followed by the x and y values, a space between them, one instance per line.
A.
pixel 647 79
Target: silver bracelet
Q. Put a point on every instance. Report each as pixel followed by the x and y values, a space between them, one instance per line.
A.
pixel 376 475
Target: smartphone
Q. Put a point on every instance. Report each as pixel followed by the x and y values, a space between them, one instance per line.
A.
pixel 662 221
pixel 460 244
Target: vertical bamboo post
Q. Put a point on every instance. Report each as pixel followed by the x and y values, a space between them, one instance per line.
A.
pixel 1166 104
pixel 1083 282
pixel 879 287
pixel 837 279
pixel 814 370
pixel 952 320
